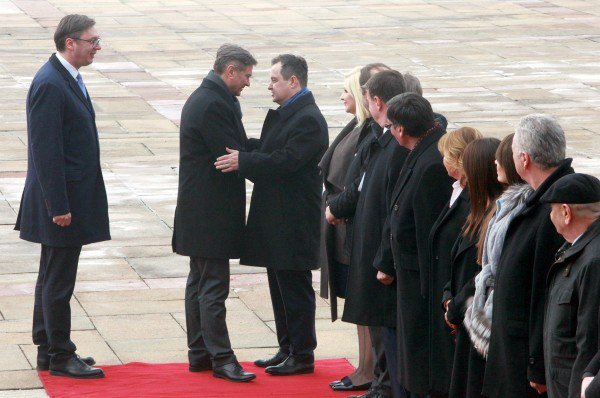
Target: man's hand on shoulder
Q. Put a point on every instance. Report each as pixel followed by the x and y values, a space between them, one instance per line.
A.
pixel 228 163
pixel 62 221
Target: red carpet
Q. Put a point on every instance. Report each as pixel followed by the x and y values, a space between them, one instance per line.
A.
pixel 138 379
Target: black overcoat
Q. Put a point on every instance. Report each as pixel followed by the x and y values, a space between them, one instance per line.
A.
pixel 571 319
pixel 283 229
pixel 442 237
pixel 516 355
pixel 422 190
pixel 368 301
pixel 467 365
pixel 327 245
pixel 593 370
pixel 63 163
pixel 211 205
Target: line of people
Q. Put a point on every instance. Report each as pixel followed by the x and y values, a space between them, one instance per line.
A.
pixel 448 248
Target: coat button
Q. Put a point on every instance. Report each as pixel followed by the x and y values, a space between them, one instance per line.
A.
pixel 532 361
pixel 395 207
pixel 391 236
pixel 437 257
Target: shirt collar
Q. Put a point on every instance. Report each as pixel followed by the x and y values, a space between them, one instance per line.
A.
pixel 299 94
pixel 70 68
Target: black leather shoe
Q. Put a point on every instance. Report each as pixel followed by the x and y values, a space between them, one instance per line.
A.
pixel 371 394
pixel 200 367
pixel 275 360
pixel 233 372
pixel 75 368
pixel 344 385
pixel 43 361
pixel 292 366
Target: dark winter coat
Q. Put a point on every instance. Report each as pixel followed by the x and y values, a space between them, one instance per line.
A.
pixel 63 163
pixel 368 301
pixel 211 205
pixel 571 320
pixel 283 229
pixel 442 238
pixel 422 190
pixel 328 231
pixel 516 356
pixel 467 365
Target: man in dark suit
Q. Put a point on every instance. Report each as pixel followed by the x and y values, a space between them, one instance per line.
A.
pixel 515 362
pixel 211 206
pixel 285 213
pixel 422 190
pixel 64 203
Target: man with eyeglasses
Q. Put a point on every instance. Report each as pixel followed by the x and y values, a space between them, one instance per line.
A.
pixel 64 203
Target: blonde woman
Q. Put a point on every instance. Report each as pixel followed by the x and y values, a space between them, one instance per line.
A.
pixel 443 234
pixel 335 257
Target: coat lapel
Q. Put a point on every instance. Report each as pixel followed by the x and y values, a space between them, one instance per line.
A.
pixel 72 83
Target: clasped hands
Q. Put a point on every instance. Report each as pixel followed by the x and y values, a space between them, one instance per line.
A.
pixel 62 221
pixel 228 163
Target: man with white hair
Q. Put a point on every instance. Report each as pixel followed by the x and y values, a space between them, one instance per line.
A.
pixel 571 320
pixel 516 359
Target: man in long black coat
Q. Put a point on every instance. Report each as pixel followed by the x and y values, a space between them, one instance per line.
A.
pixel 516 358
pixel 572 301
pixel 64 203
pixel 422 190
pixel 283 227
pixel 210 213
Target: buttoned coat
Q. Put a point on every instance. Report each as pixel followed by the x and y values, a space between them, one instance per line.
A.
pixel 442 238
pixel 422 190
pixel 327 245
pixel 211 205
pixel 368 301
pixel 516 356
pixel 63 163
pixel 571 319
pixel 283 229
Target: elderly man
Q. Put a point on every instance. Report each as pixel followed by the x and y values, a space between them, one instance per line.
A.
pixel 64 203
pixel 283 227
pixel 571 321
pixel 515 360
pixel 211 206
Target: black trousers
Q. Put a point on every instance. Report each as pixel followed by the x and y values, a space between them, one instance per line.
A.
pixel 52 308
pixel 294 306
pixel 391 349
pixel 206 290
pixel 382 382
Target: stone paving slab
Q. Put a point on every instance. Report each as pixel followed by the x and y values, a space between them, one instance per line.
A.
pixel 484 64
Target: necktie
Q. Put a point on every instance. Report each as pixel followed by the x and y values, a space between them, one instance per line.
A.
pixel 81 85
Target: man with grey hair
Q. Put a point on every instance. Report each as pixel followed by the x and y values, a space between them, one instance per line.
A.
pixel 211 208
pixel 515 362
pixel 571 321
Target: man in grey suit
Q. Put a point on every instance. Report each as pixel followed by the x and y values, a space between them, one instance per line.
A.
pixel 64 203
pixel 210 213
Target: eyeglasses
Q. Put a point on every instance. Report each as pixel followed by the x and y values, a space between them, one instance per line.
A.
pixel 95 42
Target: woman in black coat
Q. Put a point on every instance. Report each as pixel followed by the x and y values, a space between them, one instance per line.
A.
pixel 441 239
pixel 337 166
pixel 480 172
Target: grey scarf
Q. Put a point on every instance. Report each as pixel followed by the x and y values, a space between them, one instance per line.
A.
pixel 478 317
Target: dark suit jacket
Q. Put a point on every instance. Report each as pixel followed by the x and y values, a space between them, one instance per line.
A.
pixel 63 163
pixel 211 205
pixel 571 320
pixel 421 192
pixel 516 354
pixel 283 230
pixel 369 302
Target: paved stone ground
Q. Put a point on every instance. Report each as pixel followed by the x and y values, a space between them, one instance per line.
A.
pixel 483 64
